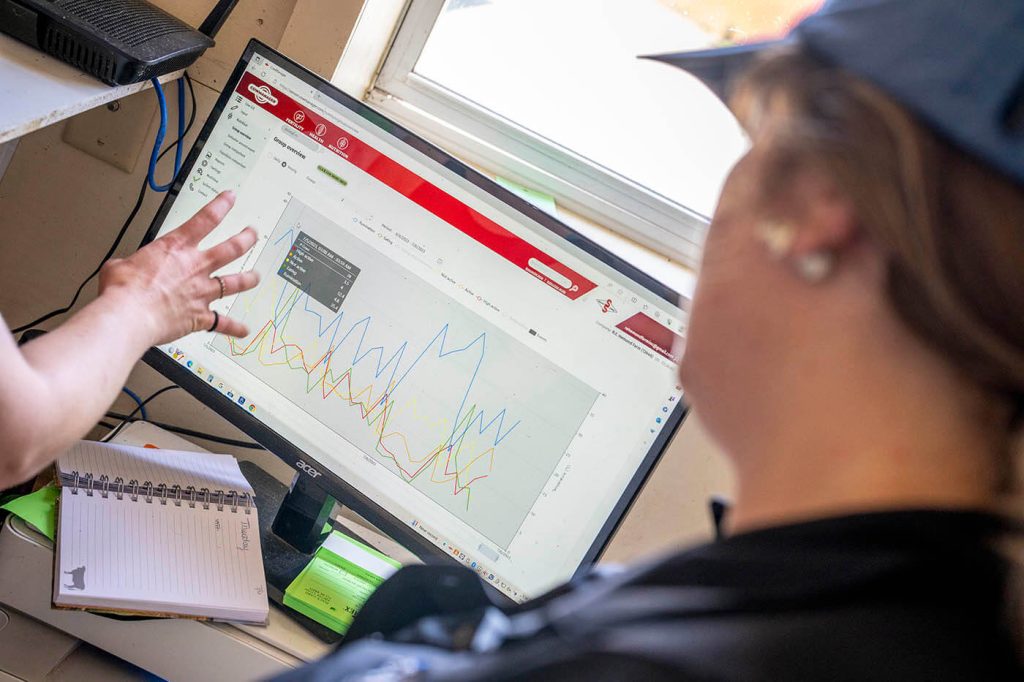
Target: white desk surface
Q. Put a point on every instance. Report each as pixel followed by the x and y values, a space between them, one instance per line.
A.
pixel 37 90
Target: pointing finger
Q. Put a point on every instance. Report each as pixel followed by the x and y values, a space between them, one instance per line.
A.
pixel 209 217
pixel 228 326
pixel 234 284
pixel 230 249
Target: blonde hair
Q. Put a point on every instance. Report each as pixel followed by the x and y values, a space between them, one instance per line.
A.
pixel 952 229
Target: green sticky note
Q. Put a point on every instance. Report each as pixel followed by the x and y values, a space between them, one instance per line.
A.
pixel 38 509
pixel 544 202
pixel 337 582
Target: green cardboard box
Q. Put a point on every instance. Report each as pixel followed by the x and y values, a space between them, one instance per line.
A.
pixel 339 579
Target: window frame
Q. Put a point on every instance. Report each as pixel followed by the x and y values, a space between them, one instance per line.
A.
pixel 499 145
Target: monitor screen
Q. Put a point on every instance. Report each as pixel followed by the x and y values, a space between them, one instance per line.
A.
pixel 483 382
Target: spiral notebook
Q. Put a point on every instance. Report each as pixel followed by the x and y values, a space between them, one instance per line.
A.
pixel 157 532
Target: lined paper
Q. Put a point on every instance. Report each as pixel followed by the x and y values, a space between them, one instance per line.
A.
pixel 169 467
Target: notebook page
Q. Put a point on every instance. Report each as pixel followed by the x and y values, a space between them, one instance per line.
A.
pixel 158 558
pixel 170 467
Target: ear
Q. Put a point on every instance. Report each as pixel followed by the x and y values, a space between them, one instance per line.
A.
pixel 821 212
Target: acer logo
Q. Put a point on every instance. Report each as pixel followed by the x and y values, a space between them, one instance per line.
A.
pixel 313 473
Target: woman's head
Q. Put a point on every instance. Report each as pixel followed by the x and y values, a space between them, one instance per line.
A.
pixel 852 244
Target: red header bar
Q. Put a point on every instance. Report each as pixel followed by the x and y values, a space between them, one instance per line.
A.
pixel 652 334
pixel 430 197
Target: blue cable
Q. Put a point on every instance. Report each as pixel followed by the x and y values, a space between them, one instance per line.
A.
pixel 138 401
pixel 162 132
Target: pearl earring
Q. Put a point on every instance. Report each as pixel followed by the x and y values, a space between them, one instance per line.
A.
pixel 814 267
pixel 778 238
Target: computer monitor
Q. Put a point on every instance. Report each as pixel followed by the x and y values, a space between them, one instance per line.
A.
pixel 470 375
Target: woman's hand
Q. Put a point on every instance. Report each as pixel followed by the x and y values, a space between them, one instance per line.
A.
pixel 168 281
pixel 57 386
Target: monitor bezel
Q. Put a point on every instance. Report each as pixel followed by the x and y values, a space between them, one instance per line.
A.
pixel 330 482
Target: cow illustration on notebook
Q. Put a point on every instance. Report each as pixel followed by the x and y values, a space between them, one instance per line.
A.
pixel 77 578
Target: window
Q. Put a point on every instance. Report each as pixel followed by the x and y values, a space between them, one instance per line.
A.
pixel 551 93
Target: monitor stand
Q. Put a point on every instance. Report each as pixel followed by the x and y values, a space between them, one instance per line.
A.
pixel 292 527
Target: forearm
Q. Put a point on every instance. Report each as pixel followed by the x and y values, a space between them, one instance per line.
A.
pixel 56 387
pixel 67 379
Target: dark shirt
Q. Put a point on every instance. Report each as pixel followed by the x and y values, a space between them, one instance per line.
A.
pixel 912 595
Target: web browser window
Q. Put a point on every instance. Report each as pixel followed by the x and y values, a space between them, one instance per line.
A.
pixel 481 378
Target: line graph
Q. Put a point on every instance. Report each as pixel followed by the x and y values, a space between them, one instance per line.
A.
pixel 456 407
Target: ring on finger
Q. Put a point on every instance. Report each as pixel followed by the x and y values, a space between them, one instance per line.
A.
pixel 220 281
pixel 216 321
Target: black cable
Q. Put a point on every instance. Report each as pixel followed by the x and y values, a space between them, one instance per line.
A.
pixel 124 227
pixel 134 412
pixel 208 436
pixel 223 440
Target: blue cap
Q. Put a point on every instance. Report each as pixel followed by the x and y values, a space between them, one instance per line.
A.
pixel 958 65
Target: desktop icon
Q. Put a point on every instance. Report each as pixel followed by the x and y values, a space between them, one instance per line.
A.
pixel 241 400
pixel 252 408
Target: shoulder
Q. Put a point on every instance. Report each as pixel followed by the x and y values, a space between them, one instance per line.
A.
pixel 850 642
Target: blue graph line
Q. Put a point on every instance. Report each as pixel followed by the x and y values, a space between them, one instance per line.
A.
pixel 280 318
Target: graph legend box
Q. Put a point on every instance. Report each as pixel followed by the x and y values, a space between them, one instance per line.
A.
pixel 315 269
